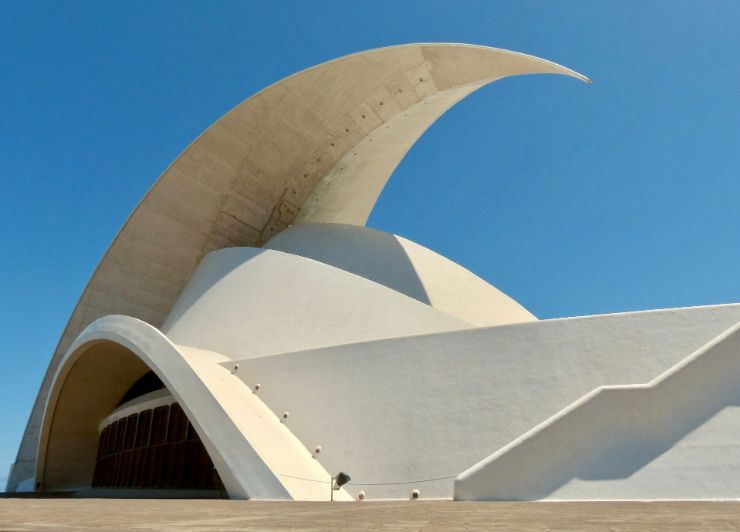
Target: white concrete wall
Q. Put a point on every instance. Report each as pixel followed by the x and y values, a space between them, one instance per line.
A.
pixel 274 444
pixel 432 406
pixel 674 437
pixel 406 267
pixel 250 302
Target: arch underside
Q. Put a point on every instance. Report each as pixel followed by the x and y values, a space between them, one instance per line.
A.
pixel 244 441
pixel 156 448
pixel 91 391
pixel 315 147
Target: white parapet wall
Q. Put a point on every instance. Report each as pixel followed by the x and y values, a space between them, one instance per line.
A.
pixel 428 407
pixel 672 438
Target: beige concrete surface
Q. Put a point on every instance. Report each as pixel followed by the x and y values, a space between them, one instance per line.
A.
pixel 107 514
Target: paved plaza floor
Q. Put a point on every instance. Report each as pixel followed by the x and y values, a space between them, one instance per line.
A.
pixel 116 514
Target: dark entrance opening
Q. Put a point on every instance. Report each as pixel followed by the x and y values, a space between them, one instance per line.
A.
pixel 154 449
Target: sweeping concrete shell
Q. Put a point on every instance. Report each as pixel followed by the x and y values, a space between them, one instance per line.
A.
pixel 315 147
pixel 245 286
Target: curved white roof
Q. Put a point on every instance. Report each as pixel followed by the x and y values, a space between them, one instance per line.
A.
pixel 315 147
pixel 406 267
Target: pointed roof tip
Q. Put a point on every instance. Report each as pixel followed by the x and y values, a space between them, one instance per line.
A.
pixel 584 79
pixel 571 73
pixel 562 69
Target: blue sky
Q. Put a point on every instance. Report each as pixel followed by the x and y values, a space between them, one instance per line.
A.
pixel 574 199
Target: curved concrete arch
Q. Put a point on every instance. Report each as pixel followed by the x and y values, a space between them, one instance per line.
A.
pixel 115 351
pixel 315 147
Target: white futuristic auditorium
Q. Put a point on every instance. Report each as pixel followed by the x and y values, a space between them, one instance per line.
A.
pixel 246 336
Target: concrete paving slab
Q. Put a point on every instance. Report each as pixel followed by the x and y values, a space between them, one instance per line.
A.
pixel 203 515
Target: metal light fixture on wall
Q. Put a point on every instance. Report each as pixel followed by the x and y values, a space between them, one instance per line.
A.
pixel 338 481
